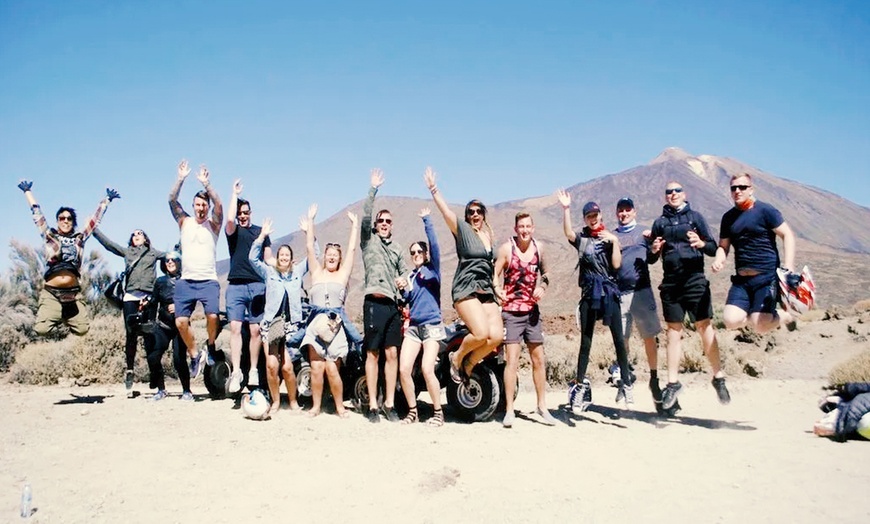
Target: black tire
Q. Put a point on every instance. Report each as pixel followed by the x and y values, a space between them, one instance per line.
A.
pixel 217 377
pixel 359 393
pixel 477 399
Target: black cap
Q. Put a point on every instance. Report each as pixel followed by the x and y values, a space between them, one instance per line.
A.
pixel 625 201
pixel 591 207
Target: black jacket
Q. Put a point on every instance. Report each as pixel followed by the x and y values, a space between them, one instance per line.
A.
pixel 679 259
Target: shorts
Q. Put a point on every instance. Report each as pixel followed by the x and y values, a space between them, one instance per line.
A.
pixel 522 326
pixel 639 306
pixel 754 294
pixel 423 333
pixel 687 295
pixel 189 292
pixel 383 324
pixel 246 302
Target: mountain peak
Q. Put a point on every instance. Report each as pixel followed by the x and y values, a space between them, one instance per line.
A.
pixel 670 153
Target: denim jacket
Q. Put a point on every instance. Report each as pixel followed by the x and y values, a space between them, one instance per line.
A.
pixel 278 285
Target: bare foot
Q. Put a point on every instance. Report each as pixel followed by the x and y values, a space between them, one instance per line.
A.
pixel 313 413
pixel 343 414
pixel 295 407
pixel 274 408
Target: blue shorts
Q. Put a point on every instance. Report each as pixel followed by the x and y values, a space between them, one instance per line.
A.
pixel 189 292
pixel 754 294
pixel 246 302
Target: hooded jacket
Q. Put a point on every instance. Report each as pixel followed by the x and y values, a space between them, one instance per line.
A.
pixel 680 259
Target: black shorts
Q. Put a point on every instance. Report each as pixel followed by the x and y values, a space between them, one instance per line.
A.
pixel 383 324
pixel 690 295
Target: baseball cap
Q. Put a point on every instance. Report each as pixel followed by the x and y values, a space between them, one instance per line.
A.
pixel 625 201
pixel 591 207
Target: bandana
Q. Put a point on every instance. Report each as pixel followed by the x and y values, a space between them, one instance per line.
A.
pixel 599 227
pixel 746 205
pixel 627 227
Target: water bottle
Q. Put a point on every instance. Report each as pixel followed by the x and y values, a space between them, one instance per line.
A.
pixel 26 501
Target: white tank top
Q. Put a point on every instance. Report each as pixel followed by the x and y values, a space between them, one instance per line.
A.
pixel 198 250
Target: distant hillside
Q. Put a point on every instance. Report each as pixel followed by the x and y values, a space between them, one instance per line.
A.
pixel 832 234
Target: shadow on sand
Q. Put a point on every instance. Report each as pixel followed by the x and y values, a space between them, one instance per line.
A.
pixel 83 399
pixel 612 416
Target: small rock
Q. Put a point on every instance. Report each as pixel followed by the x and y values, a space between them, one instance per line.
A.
pixel 753 368
pixel 84 412
pixel 825 335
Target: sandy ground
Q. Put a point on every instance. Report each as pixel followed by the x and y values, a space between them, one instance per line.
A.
pixel 92 455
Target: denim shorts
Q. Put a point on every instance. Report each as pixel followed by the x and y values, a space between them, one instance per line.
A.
pixel 754 294
pixel 422 333
pixel 246 302
pixel 189 292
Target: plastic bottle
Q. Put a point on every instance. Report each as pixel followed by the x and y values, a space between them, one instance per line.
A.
pixel 26 501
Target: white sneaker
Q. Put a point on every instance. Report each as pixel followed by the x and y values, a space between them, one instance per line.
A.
pixel 628 397
pixel 253 377
pixel 235 381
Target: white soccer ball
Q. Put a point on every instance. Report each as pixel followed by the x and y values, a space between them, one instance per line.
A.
pixel 255 405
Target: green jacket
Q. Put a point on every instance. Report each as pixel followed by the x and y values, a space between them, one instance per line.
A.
pixel 383 259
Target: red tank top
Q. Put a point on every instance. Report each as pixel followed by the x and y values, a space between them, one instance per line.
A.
pixel 520 279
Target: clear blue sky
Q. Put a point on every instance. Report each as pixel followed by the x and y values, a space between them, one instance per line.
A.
pixel 505 99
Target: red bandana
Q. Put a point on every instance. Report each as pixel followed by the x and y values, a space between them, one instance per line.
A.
pixel 599 227
pixel 746 205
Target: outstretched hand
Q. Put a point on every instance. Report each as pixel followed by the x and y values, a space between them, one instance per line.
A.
pixel 266 228
pixel 353 218
pixel 183 169
pixel 377 177
pixel 424 212
pixel 312 212
pixel 111 194
pixel 203 175
pixel 237 187
pixel 304 223
pixel 429 177
pixel 25 185
pixel 564 198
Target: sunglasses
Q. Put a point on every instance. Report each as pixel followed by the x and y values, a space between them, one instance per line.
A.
pixel 138 232
pixel 243 213
pixel 65 218
pixel 741 187
pixel 334 245
pixel 474 211
pixel 673 190
pixel 417 252
pixel 385 221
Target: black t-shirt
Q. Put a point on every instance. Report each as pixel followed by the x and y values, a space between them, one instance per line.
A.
pixel 752 236
pixel 593 262
pixel 241 271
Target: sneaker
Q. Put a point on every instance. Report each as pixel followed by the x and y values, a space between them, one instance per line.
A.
pixel 128 383
pixel 827 426
pixel 580 396
pixel 670 394
pixel 196 364
pixel 656 391
pixel 209 354
pixel 235 381
pixel 160 395
pixel 546 417
pixel 187 396
pixel 253 378
pixel 372 416
pixel 721 390
pixel 620 391
pixel 829 403
pixel 628 396
pixel 508 420
pixel 390 414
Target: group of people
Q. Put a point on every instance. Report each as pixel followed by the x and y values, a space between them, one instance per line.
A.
pixel 496 291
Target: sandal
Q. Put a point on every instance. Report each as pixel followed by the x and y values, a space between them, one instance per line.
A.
pixel 437 419
pixel 411 417
pixel 455 374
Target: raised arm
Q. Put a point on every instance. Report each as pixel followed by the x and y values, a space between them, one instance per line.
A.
pixel 448 214
pixel 432 238
pixel 376 179
pixel 217 209
pixel 347 264
pixel 257 247
pixel 565 201
pixel 178 213
pixel 306 224
pixel 38 217
pixel 233 208
pixel 107 243
pixel 94 220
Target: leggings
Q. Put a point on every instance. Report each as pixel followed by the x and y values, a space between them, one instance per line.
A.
pixel 156 345
pixel 131 307
pixel 587 329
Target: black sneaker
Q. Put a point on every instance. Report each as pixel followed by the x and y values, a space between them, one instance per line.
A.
pixel 372 416
pixel 721 390
pixel 391 414
pixel 656 394
pixel 670 393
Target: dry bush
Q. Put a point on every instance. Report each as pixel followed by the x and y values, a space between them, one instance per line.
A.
pixel 813 315
pixel 856 369
pixel 562 351
pixel 42 363
pixel 862 306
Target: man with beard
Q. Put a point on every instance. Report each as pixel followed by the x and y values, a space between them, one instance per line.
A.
pixel 198 282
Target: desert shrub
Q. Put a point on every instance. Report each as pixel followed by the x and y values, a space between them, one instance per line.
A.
pixel 42 362
pixel 862 306
pixel 856 369
pixel 562 350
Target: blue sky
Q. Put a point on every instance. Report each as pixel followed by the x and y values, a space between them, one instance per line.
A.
pixel 505 99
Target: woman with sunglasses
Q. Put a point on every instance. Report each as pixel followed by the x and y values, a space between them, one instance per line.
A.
pixel 328 334
pixel 474 296
pixel 421 290
pixel 60 301
pixel 140 263
pixel 282 314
